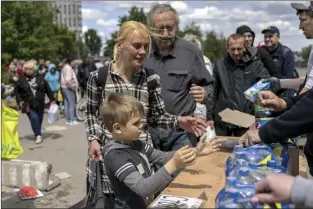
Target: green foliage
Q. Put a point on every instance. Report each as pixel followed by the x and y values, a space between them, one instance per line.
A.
pixel 93 42
pixel 214 46
pixel 134 14
pixel 305 53
pixel 193 28
pixel 28 32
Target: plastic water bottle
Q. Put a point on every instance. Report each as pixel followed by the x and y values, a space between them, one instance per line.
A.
pixel 230 205
pixel 275 168
pixel 232 194
pixel 230 183
pixel 245 178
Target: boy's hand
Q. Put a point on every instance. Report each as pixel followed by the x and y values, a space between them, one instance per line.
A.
pixel 183 157
pixel 206 147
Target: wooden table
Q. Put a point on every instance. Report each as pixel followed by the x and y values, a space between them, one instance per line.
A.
pixel 206 175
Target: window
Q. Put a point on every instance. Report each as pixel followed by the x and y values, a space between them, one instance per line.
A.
pixel 64 9
pixel 70 22
pixel 74 11
pixel 74 22
pixel 69 9
pixel 65 21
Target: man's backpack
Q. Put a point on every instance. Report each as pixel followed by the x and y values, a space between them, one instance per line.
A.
pixel 103 74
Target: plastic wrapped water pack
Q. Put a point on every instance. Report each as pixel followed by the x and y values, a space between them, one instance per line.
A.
pixel 258 154
pixel 244 169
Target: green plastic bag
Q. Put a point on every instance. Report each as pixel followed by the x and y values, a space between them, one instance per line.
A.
pixel 10 144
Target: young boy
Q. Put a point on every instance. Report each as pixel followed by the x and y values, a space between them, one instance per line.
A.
pixel 128 160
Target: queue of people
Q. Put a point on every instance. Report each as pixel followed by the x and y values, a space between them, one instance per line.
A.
pixel 34 83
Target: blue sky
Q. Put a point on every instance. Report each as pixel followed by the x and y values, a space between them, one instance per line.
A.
pixel 221 16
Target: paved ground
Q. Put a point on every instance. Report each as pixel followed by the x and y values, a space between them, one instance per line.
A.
pixel 66 150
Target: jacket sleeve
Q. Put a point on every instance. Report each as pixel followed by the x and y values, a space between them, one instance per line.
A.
pixel 157 113
pixel 202 76
pixel 17 94
pixel 48 91
pixel 146 187
pixel 215 92
pixel 93 127
pixel 294 122
pixel 260 70
pixel 301 192
pixel 268 63
pixel 309 80
pixel 288 65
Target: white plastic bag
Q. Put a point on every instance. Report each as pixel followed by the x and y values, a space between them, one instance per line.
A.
pixel 210 133
pixel 53 113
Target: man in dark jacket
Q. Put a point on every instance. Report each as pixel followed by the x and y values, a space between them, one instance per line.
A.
pixel 283 56
pixel 234 74
pixel 83 73
pixel 265 57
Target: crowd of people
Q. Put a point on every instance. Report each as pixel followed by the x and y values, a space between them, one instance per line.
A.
pixel 143 123
pixel 35 83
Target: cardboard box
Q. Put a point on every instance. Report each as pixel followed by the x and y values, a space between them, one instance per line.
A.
pixel 237 118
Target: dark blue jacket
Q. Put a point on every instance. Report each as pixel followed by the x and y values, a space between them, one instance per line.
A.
pixel 285 61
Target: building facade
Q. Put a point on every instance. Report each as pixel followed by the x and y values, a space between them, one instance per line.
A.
pixel 70 15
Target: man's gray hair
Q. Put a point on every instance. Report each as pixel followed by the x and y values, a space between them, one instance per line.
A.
pixel 160 8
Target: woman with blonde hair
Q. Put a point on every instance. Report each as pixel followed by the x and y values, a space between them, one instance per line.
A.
pixel 125 74
pixel 30 90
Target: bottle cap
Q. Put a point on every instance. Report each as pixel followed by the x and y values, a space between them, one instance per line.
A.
pixel 230 180
pixel 253 165
pixel 271 163
pixel 244 172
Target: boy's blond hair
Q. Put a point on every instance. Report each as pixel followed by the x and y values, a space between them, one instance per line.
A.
pixel 119 108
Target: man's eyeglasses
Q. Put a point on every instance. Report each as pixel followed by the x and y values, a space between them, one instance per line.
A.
pixel 169 28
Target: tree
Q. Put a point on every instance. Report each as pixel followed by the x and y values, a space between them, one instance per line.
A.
pixel 66 43
pixel 136 14
pixel 305 53
pixel 214 46
pixel 28 32
pixel 93 41
pixel 82 48
pixel 192 28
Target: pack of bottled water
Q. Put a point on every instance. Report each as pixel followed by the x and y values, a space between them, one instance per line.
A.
pixel 244 169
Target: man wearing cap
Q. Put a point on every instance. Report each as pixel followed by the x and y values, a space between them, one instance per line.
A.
pixel 305 14
pixel 283 56
pixel 263 55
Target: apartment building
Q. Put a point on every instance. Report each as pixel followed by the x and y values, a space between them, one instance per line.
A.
pixel 70 15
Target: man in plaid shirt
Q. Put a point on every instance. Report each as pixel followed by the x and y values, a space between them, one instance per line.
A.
pixel 154 109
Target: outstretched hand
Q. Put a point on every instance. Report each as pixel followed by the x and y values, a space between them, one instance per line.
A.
pixel 206 147
pixel 197 126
